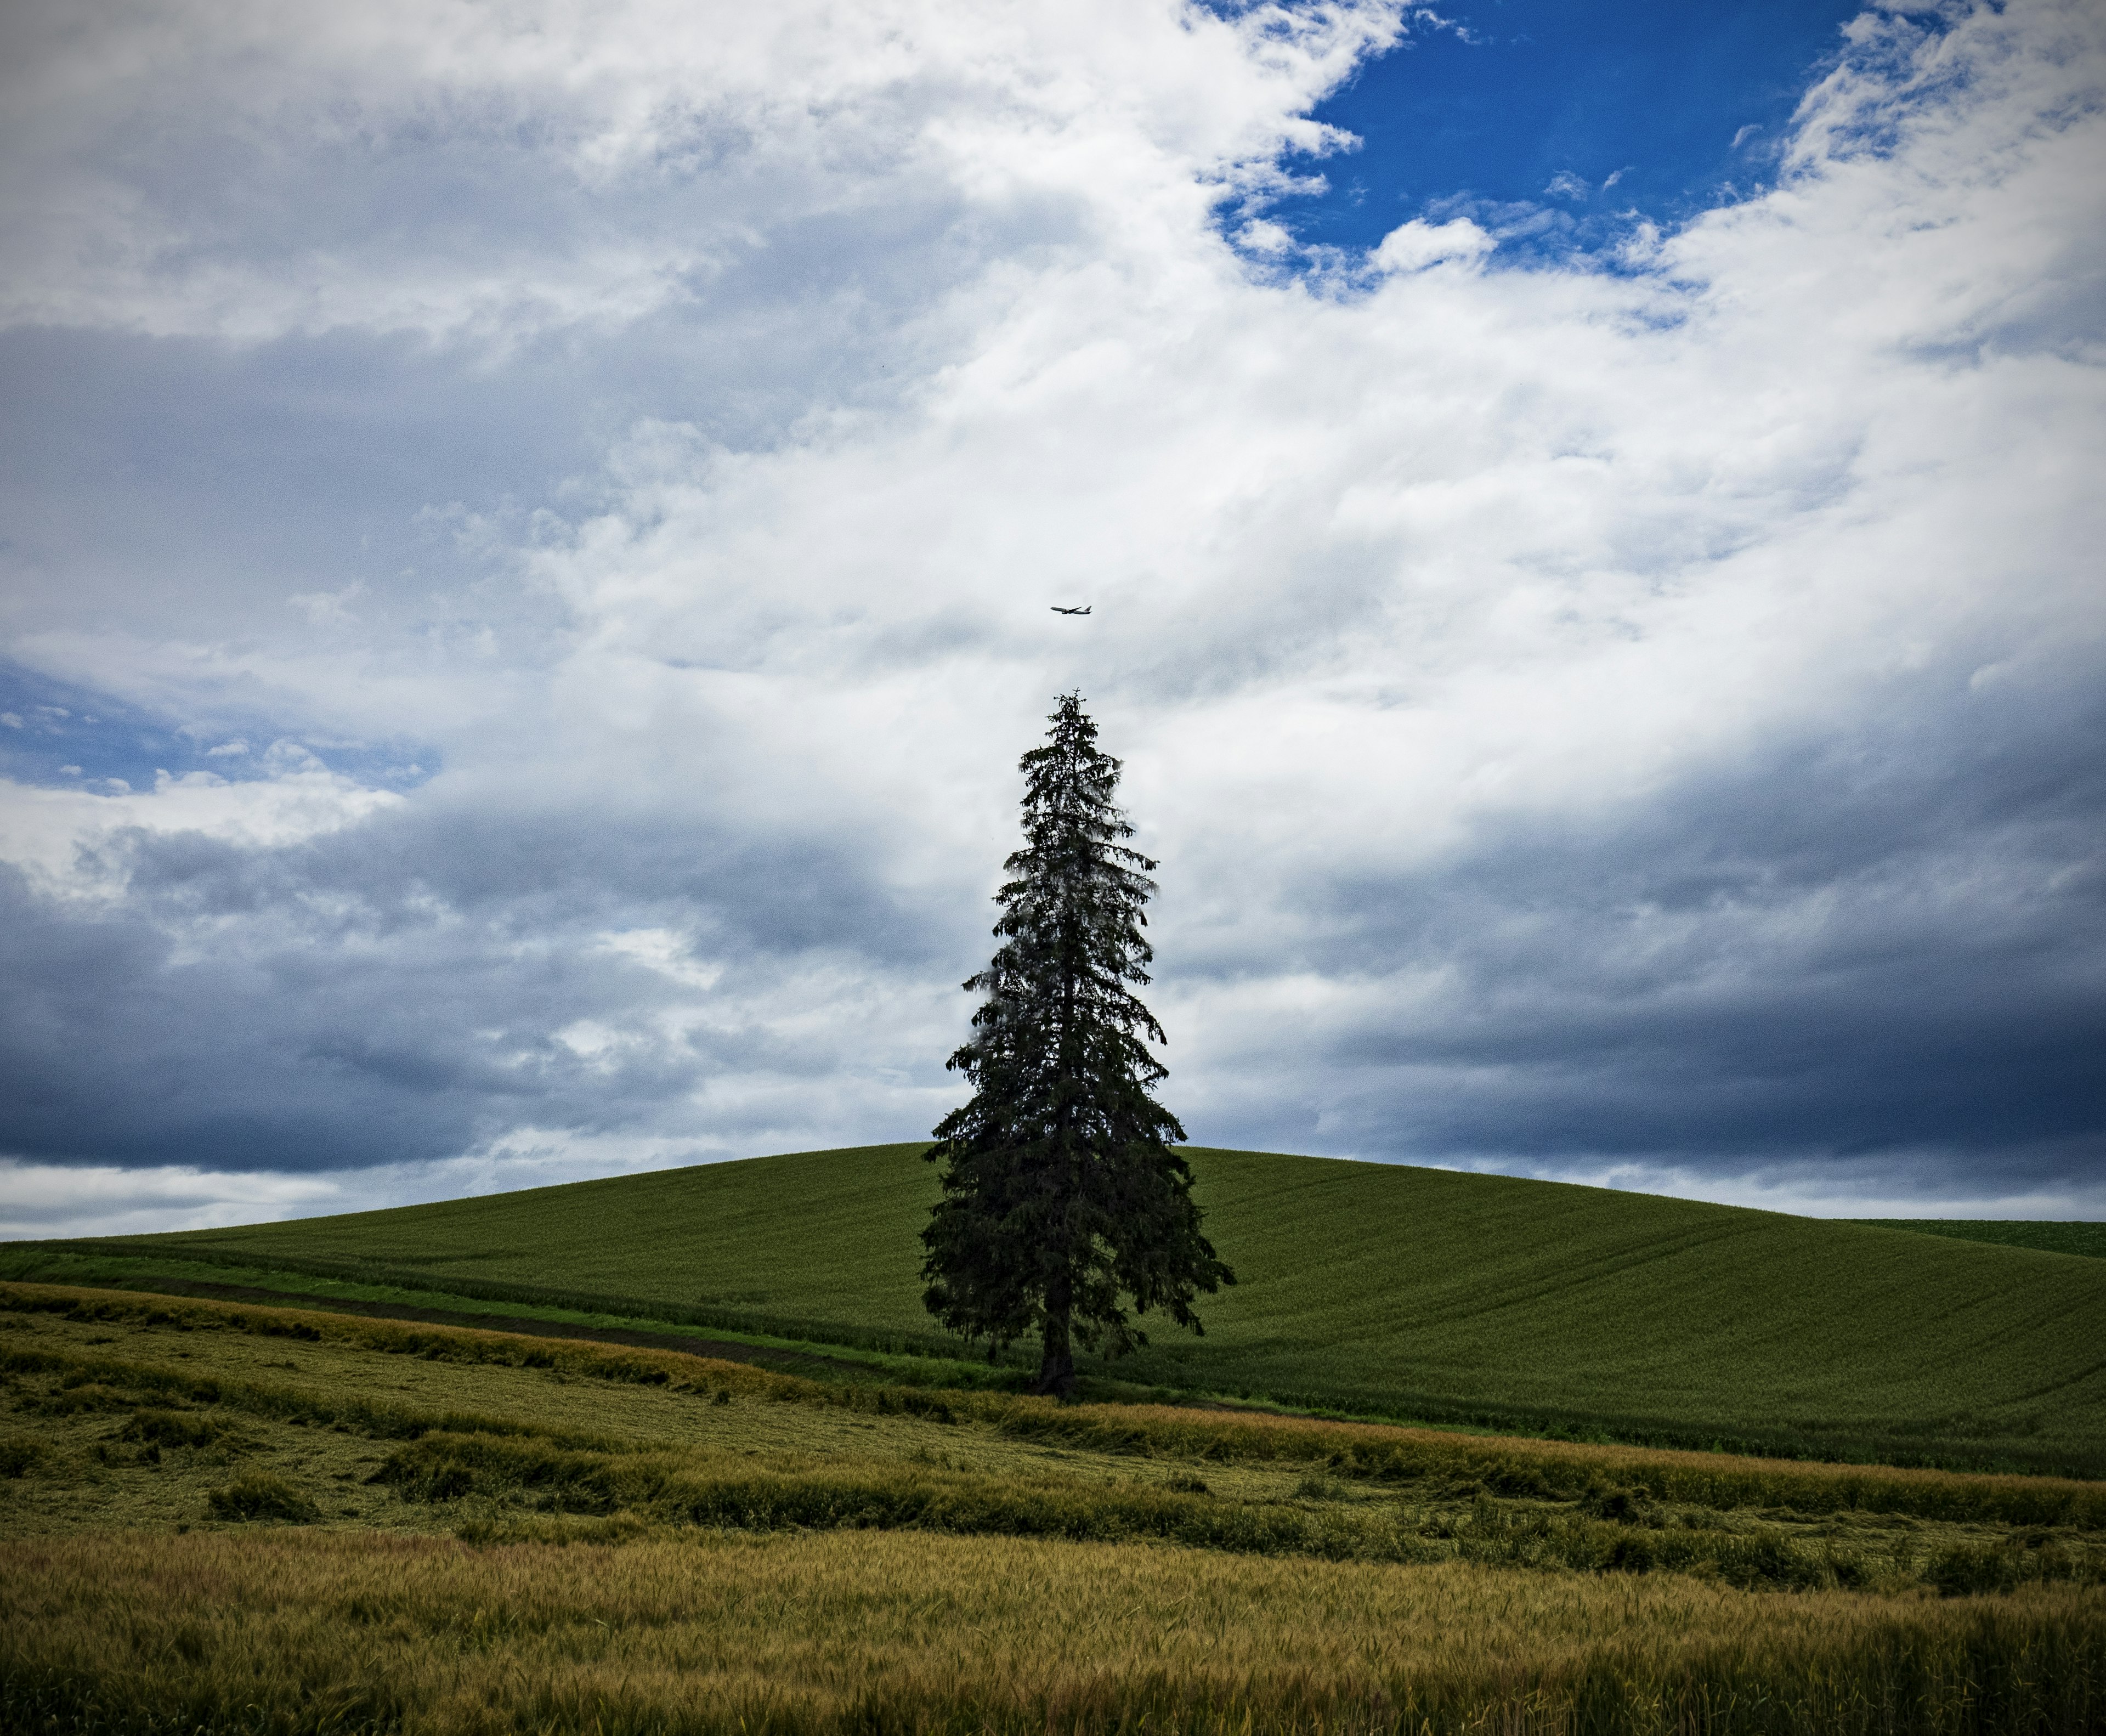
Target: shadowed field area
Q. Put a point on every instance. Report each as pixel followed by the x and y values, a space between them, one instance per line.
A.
pixel 1371 1289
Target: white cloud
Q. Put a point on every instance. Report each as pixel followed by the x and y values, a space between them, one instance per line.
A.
pixel 542 164
pixel 1815 1189
pixel 45 1200
pixel 1390 560
pixel 65 840
pixel 328 609
pixel 1413 246
pixel 1511 540
pixel 670 953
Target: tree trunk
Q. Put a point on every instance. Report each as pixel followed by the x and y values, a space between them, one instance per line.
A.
pixel 1056 1361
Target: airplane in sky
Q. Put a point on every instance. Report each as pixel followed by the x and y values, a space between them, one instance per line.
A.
pixel 1084 610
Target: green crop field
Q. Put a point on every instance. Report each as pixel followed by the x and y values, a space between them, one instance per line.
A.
pixel 2086 1239
pixel 219 1517
pixel 1368 1289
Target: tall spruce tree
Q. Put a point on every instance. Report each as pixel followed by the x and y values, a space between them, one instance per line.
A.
pixel 1063 1198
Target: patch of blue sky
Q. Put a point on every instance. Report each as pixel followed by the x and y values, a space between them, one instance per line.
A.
pixel 58 735
pixel 1559 127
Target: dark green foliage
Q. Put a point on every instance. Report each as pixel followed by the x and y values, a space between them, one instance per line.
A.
pixel 18 1452
pixel 1063 1197
pixel 155 1428
pixel 260 1496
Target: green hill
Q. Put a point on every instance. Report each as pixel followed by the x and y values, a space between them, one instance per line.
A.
pixel 2086 1239
pixel 1369 1288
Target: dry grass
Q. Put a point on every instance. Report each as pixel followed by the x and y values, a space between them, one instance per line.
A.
pixel 869 1631
pixel 153 1414
pixel 1545 1468
pixel 215 1518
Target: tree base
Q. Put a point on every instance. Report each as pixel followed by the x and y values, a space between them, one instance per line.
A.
pixel 1056 1379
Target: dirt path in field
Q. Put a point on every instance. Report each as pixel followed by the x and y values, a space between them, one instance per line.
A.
pixel 788 1361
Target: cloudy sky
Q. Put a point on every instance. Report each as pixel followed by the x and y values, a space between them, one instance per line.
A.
pixel 527 530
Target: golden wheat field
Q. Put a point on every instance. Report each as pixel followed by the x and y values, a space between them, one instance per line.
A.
pixel 874 1630
pixel 216 1518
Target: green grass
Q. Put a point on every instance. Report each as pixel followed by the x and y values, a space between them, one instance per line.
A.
pixel 148 1412
pixel 218 1516
pixel 698 1329
pixel 1367 1288
pixel 2088 1239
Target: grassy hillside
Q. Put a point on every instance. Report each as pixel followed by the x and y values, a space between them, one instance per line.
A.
pixel 1371 1288
pixel 2086 1239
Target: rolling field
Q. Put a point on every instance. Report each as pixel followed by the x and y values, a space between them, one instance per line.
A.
pixel 1368 1288
pixel 221 1518
pixel 2085 1238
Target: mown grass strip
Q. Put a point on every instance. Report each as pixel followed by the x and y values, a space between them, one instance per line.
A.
pixel 90 1382
pixel 1561 1471
pixel 62 1262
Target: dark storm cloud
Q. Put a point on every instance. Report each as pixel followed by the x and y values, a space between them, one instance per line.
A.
pixel 240 475
pixel 397 992
pixel 1886 945
pixel 112 1050
pixel 561 870
pixel 1882 952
